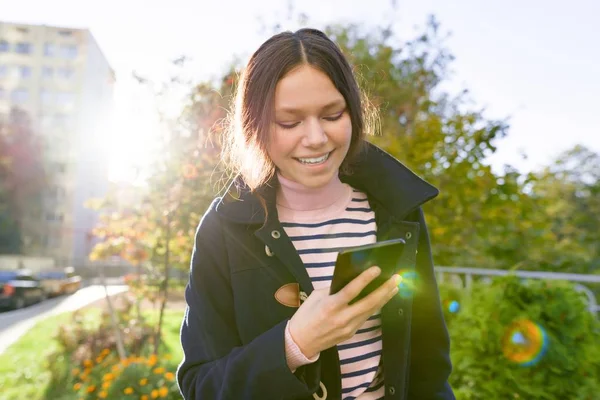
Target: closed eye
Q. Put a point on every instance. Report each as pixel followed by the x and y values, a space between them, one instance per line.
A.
pixel 335 117
pixel 288 126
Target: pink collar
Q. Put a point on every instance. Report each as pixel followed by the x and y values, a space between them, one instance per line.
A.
pixel 295 196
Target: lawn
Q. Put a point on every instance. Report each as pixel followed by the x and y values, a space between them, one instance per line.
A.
pixel 24 367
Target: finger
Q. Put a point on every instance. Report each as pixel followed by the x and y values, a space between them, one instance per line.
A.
pixel 378 297
pixel 353 289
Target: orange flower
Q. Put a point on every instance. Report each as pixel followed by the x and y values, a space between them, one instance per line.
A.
pixel 154 394
pixel 88 363
pixel 143 381
pixel 105 352
pixel 144 397
pixel 163 391
pixel 98 360
pixel 159 370
pixel 77 386
pixel 128 390
pixel 152 360
pixel 109 376
pixel 102 394
pixel 170 376
pixel 75 371
pixel 91 388
pixel 105 385
pixel 115 368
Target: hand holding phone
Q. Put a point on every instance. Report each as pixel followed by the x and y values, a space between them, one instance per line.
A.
pixel 353 261
pixel 325 320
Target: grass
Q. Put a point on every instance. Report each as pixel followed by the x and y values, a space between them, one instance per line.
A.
pixel 24 372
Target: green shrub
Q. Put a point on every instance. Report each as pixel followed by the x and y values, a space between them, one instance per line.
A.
pixel 136 377
pixel 86 364
pixel 514 339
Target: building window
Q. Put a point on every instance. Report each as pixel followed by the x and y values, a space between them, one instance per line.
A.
pixel 65 33
pixel 24 71
pixel 47 72
pixel 54 216
pixel 20 95
pixel 47 96
pixel 65 72
pixel 23 48
pixel 65 99
pixel 49 49
pixel 68 51
pixel 4 46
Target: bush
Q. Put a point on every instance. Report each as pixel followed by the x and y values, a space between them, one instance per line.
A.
pixel 514 339
pixel 87 366
pixel 135 377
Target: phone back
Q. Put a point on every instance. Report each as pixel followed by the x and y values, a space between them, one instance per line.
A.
pixel 352 262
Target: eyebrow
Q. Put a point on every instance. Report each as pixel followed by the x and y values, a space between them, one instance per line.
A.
pixel 328 106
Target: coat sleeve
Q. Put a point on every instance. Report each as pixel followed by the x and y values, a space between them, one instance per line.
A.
pixel 216 365
pixel 430 344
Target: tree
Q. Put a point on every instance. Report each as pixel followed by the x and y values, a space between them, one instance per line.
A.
pixel 22 181
pixel 161 227
pixel 567 199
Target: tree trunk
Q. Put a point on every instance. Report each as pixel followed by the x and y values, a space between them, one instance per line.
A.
pixel 164 289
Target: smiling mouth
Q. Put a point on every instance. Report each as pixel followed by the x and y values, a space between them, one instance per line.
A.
pixel 314 160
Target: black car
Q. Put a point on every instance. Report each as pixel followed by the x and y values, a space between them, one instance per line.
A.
pixel 19 289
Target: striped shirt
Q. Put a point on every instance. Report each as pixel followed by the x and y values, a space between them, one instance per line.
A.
pixel 318 236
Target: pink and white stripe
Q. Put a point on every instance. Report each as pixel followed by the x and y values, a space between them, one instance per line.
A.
pixel 318 241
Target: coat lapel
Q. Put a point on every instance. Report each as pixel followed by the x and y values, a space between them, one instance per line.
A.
pixel 283 249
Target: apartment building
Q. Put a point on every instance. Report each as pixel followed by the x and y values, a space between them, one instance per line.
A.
pixel 61 78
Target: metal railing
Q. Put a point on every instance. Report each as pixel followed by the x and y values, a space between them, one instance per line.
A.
pixel 468 273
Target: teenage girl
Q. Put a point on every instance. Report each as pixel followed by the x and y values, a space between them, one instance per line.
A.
pixel 260 322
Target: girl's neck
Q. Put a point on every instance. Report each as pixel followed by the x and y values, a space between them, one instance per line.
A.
pixel 295 196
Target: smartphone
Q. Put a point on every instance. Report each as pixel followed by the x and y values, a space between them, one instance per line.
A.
pixel 352 261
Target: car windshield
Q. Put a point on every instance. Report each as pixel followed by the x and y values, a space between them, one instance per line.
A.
pixel 51 275
pixel 6 276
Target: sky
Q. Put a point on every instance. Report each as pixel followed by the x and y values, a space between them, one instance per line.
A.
pixel 535 62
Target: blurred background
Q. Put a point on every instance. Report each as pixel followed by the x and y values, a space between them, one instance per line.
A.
pixel 110 123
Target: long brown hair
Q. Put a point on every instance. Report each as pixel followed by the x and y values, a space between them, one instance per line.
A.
pixel 245 147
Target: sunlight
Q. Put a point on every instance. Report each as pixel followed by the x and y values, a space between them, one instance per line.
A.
pixel 133 137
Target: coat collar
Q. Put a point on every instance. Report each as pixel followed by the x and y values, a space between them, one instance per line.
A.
pixel 395 187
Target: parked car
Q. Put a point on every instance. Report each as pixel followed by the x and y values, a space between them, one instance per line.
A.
pixel 19 288
pixel 60 281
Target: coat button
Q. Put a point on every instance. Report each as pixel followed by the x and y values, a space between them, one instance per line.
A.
pixel 408 235
pixel 400 312
pixel 275 234
pixel 392 390
pixel 268 251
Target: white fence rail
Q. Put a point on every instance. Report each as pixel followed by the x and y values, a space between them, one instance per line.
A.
pixel 469 273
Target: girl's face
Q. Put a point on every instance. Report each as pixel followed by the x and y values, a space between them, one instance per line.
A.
pixel 311 134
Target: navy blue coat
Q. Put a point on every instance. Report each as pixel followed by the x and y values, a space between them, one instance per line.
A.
pixel 233 331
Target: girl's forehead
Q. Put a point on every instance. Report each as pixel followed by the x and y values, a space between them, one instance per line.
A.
pixel 304 88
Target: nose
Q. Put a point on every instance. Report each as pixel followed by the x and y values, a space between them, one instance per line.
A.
pixel 314 135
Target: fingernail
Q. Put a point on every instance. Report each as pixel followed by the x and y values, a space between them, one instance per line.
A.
pixel 397 279
pixel 376 271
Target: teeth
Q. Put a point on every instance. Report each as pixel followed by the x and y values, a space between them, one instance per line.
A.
pixel 314 160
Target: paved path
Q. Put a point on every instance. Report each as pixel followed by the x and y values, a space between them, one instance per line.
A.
pixel 13 324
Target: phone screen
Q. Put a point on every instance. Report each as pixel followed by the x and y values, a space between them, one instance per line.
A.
pixel 353 261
